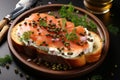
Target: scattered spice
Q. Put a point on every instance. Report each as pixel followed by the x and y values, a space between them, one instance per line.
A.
pixel 7 66
pixel 16 71
pixel 0 71
pixel 21 75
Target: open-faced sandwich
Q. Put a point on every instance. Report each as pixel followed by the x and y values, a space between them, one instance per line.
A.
pixel 56 40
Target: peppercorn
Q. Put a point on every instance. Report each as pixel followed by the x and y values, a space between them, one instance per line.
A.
pixel 29 24
pixel 7 66
pixel 0 71
pixel 25 23
pixel 70 53
pixel 21 75
pixel 39 33
pixel 50 21
pixel 67 44
pixel 20 24
pixel 16 71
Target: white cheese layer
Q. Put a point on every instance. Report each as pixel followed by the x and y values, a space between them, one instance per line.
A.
pixel 75 53
pixel 55 51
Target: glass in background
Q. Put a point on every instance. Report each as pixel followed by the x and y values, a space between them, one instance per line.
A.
pixel 98 6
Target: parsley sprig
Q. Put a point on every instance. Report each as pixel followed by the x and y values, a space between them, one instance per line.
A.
pixel 5 59
pixel 26 36
pixel 72 35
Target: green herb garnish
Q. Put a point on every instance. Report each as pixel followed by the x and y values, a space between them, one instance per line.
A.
pixel 68 12
pixel 43 23
pixel 63 24
pixel 72 35
pixel 96 77
pixel 113 29
pixel 5 59
pixel 26 36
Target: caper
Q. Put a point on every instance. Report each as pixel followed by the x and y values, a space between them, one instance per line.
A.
pixel 7 66
pixel 16 71
pixel 21 75
pixel 0 71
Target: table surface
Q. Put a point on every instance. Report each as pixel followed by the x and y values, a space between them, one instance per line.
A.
pixel 108 70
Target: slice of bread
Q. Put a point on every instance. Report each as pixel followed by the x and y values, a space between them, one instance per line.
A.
pixel 78 61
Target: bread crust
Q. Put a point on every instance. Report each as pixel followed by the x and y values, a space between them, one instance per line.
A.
pixel 73 62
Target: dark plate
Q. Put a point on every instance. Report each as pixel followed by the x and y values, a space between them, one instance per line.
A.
pixel 61 74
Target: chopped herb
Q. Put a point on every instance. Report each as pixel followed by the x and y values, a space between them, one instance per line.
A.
pixel 71 36
pixel 26 36
pixel 113 29
pixel 63 24
pixel 42 22
pixel 68 12
pixel 6 59
pixel 91 26
pixel 96 77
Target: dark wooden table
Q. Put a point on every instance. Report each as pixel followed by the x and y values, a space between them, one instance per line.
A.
pixel 110 68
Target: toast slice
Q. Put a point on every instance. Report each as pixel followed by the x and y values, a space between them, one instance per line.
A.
pixel 43 51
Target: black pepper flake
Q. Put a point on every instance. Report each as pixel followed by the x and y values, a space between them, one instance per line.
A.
pixel 37 14
pixel 7 66
pixel 16 71
pixel 21 75
pixel 70 53
pixel 59 49
pixel 62 48
pixel 43 42
pixel 50 21
pixel 89 34
pixel 58 21
pixel 39 33
pixel 47 34
pixel 25 23
pixel 77 43
pixel 81 53
pixel 67 44
pixel 38 29
pixel 20 24
pixel 34 25
pixel 56 17
pixel 32 32
pixel 81 43
pixel 0 71
pixel 91 40
pixel 63 41
pixel 62 53
pixel 46 44
pixel 29 24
